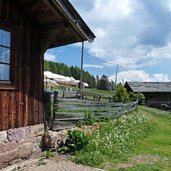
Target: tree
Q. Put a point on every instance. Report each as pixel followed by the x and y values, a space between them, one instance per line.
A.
pixel 97 82
pixel 104 83
pixel 121 94
pixel 141 98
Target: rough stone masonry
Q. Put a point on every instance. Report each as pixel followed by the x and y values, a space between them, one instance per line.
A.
pixel 20 143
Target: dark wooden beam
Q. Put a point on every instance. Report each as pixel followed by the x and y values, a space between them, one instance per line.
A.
pixel 45 43
pixel 55 26
pixel 51 7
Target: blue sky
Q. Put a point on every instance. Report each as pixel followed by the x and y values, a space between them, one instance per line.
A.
pixel 135 34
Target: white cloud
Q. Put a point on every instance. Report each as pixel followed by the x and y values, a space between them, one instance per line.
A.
pixel 92 66
pixel 139 75
pixel 135 33
pixel 49 56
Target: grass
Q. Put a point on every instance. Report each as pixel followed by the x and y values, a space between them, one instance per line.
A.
pixel 125 150
pixel 159 142
pixel 114 140
pixel 102 93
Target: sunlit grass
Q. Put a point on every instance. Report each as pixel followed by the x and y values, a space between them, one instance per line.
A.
pixel 157 143
pixel 114 140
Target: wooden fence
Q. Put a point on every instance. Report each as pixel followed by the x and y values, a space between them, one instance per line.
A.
pixel 67 112
pixel 76 94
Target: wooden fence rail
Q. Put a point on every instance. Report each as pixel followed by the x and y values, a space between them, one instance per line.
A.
pixel 67 112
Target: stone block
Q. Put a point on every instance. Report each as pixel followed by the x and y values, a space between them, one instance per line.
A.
pixel 15 134
pixel 57 138
pixel 14 145
pixel 36 151
pixel 16 161
pixel 28 133
pixel 8 156
pixel 9 146
pixel 3 136
pixel 1 148
pixel 25 150
pixel 3 165
pixel 6 147
pixel 38 129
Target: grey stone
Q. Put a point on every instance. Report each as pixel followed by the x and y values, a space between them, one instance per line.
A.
pixel 38 129
pixel 25 150
pixel 3 136
pixel 3 165
pixel 57 138
pixel 8 156
pixel 8 146
pixel 1 148
pixel 15 134
pixel 36 151
pixel 28 133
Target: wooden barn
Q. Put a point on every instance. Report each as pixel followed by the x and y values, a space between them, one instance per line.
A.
pixel 156 93
pixel 27 29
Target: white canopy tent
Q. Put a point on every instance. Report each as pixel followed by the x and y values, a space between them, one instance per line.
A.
pixel 62 79
pixel 50 83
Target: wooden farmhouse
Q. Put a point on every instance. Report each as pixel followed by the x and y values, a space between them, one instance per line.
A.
pixel 27 29
pixel 156 93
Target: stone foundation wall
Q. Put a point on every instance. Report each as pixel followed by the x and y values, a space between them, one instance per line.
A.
pixel 20 143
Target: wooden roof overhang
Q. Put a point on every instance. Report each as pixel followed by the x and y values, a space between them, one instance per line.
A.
pixel 59 22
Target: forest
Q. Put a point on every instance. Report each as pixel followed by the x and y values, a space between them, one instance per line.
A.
pixel 101 83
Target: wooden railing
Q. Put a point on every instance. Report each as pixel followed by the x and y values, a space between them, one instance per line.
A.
pixel 67 112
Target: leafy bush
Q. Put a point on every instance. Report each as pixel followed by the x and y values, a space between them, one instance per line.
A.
pixel 89 118
pixel 133 96
pixel 137 96
pixel 141 98
pixel 121 94
pixel 75 141
pixel 47 154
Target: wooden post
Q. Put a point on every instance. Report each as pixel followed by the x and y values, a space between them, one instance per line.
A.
pixel 47 107
pixel 81 74
pixel 63 93
pixel 55 105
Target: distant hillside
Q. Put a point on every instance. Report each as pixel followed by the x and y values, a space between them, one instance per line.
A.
pixel 74 71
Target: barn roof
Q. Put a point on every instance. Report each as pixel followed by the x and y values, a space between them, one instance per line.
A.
pixel 149 86
pixel 58 17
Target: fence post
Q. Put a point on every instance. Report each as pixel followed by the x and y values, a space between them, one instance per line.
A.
pixel 63 93
pixel 55 104
pixel 47 108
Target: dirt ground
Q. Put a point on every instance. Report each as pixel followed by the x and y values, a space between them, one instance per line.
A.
pixel 61 163
pixel 56 163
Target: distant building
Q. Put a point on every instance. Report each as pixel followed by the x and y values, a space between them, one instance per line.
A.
pixel 156 93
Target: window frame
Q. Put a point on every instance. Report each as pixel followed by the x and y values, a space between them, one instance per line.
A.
pixel 11 83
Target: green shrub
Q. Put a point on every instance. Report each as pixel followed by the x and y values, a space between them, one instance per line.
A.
pixel 47 154
pixel 141 98
pixel 120 94
pixel 133 96
pixel 75 141
pixel 89 118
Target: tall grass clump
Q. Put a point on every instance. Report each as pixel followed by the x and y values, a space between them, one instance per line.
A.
pixel 114 140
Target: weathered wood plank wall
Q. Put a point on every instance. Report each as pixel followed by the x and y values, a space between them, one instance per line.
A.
pixel 20 105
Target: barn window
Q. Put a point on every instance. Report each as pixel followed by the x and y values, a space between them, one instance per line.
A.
pixel 5 38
